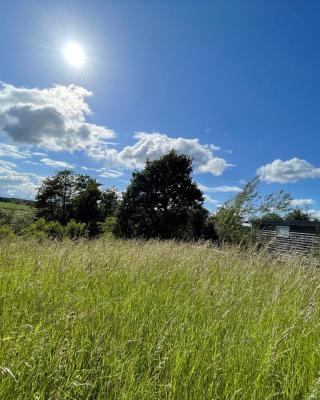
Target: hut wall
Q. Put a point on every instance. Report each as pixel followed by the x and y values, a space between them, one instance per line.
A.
pixel 297 241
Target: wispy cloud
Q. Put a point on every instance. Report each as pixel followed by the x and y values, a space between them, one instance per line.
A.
pixel 56 164
pixel 17 184
pixel 220 189
pixel 302 202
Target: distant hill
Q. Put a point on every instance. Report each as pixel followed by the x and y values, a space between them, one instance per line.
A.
pixel 17 201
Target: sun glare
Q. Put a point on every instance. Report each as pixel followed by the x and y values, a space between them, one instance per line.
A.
pixel 74 54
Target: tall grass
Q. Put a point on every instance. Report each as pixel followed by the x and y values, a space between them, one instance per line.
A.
pixel 119 320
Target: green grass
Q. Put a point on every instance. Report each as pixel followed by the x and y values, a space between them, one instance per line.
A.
pixel 9 206
pixel 131 320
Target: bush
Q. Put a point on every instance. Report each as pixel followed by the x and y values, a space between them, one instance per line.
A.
pixel 75 229
pixel 43 229
pixel 108 227
pixel 6 232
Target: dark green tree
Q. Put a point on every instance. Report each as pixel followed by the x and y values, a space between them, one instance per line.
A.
pixel 54 197
pixel 160 199
pixel 298 215
pixel 109 202
pixel 67 196
pixel 85 204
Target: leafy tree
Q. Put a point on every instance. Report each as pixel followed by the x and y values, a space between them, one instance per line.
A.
pixel 271 216
pixel 67 196
pixel 248 206
pixel 85 204
pixel 108 228
pixel 54 197
pixel 298 215
pixel 159 199
pixel 109 202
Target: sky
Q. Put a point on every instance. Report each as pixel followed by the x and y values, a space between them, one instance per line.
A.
pixel 233 84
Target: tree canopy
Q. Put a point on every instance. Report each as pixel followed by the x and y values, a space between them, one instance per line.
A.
pixel 67 196
pixel 162 200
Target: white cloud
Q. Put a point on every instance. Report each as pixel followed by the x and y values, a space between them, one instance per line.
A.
pixel 288 171
pixel 8 150
pixel 155 145
pixel 210 200
pixel 220 189
pixel 56 164
pixel 110 173
pixel 105 172
pixel 53 118
pixel 315 213
pixel 302 202
pixel 17 184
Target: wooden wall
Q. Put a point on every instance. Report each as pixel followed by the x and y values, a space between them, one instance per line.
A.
pixel 296 242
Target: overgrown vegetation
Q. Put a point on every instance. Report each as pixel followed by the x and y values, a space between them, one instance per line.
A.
pixel 162 201
pixel 105 319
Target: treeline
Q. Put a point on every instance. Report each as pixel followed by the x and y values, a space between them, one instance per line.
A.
pixel 161 201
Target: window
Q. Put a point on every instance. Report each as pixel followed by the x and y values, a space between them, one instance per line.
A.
pixel 283 231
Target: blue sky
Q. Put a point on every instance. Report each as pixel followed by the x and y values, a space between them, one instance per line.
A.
pixel 234 84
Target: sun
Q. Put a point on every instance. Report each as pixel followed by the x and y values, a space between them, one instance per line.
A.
pixel 74 54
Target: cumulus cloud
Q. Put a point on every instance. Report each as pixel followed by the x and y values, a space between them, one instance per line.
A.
pixel 155 145
pixel 54 118
pixel 17 184
pixel 221 189
pixel 56 164
pixel 288 171
pixel 302 202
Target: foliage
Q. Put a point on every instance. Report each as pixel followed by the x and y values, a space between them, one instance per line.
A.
pixel 54 197
pixel 108 228
pixel 6 231
pixel 298 215
pixel 109 202
pixel 160 200
pixel 75 230
pixel 155 320
pixel 248 206
pixel 41 229
pixel 17 216
pixel 67 196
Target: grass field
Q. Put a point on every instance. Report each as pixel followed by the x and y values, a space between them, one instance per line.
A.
pixel 8 206
pixel 131 320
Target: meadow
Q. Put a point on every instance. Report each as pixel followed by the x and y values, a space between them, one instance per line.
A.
pixel 111 319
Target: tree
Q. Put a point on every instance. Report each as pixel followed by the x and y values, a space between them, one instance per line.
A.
pixel 248 206
pixel 159 200
pixel 67 195
pixel 85 204
pixel 298 215
pixel 54 197
pixel 109 203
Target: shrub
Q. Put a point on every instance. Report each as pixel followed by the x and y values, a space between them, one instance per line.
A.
pixel 6 232
pixel 42 229
pixel 75 229
pixel 108 227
